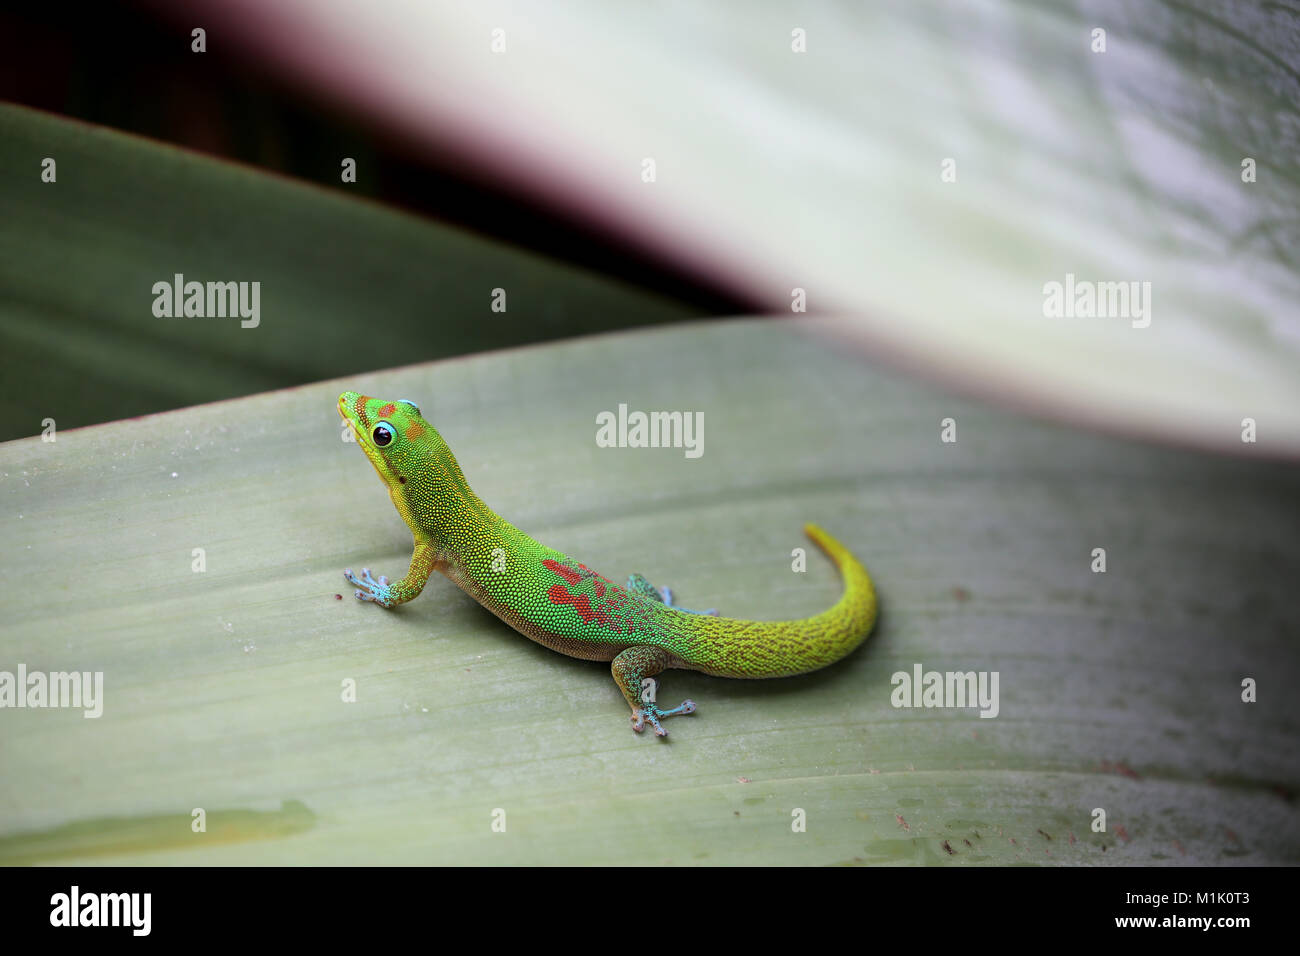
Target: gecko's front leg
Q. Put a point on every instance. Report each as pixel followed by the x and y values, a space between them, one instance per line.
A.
pixel 423 563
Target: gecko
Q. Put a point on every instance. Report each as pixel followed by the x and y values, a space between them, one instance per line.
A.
pixel 565 605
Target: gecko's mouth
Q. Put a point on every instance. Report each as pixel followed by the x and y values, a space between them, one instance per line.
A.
pixel 379 462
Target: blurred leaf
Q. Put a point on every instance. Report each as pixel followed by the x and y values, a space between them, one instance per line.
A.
pixel 345 284
pixel 821 170
pixel 222 688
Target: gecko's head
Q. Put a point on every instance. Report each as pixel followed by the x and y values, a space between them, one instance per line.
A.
pixel 404 448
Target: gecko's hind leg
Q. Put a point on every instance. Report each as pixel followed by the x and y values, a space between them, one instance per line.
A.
pixel 637 584
pixel 634 670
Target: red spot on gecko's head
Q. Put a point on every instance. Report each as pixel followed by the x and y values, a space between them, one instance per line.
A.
pixel 386 410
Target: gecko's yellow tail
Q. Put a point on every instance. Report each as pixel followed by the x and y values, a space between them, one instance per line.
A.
pixel 729 647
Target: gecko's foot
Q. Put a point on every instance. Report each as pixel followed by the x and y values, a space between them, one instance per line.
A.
pixel 653 714
pixel 637 584
pixel 668 600
pixel 368 589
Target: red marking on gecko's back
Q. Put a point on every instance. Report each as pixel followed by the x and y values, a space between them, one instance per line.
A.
pixel 618 598
pixel 559 594
pixel 570 575
pixel 598 582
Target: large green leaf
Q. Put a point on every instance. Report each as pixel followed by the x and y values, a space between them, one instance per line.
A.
pixel 345 284
pixel 222 689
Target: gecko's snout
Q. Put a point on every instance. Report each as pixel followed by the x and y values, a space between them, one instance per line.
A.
pixel 352 405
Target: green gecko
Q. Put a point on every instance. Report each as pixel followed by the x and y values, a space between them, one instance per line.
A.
pixel 564 605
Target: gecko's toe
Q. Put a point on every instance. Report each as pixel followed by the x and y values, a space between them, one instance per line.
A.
pixel 368 589
pixel 653 714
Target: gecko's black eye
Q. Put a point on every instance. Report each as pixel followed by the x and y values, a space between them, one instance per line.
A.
pixel 407 401
pixel 383 434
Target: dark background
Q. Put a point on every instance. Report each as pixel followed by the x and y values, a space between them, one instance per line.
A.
pixel 128 68
pixel 120 65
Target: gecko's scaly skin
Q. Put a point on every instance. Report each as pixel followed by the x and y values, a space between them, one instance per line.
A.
pixel 556 601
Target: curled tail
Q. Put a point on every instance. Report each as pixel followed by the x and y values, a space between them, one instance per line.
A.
pixel 729 647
